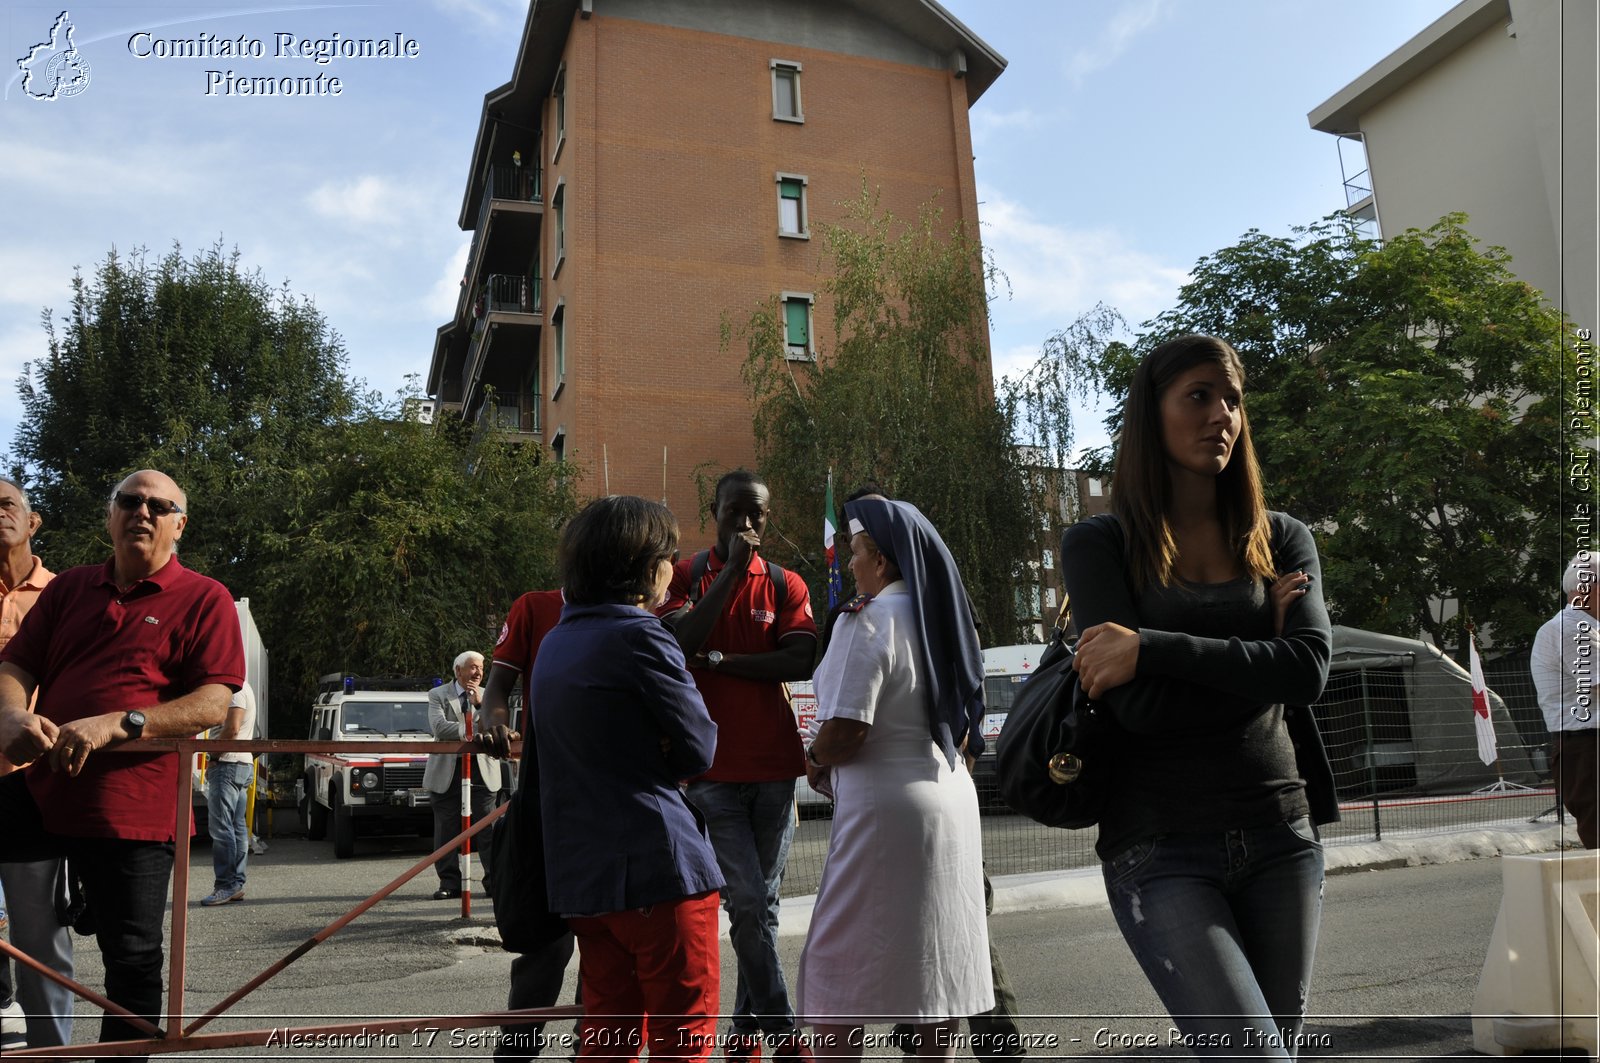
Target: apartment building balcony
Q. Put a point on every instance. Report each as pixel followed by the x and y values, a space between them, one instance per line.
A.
pixel 506 235
pixel 504 338
pixel 514 416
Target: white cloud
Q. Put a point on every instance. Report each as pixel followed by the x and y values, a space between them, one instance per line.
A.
pixel 441 299
pixel 1126 25
pixel 370 202
pixel 133 172
pixel 494 13
pixel 38 274
pixel 1013 361
pixel 1057 273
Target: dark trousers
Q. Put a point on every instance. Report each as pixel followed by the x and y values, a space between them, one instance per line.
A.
pixel 536 979
pixel 125 883
pixel 1573 761
pixel 447 824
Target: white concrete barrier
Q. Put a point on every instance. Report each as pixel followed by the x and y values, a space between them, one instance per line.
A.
pixel 1539 990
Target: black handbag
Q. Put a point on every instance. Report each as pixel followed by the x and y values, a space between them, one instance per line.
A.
pixel 1053 755
pixel 516 871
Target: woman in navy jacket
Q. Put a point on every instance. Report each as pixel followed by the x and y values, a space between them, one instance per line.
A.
pixel 618 724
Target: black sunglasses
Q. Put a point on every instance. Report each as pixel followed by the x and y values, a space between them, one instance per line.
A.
pixel 158 507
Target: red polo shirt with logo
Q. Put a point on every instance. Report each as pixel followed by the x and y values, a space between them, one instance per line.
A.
pixel 757 739
pixel 530 620
pixel 94 649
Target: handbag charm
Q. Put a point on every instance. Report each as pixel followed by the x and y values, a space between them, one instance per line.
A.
pixel 1065 768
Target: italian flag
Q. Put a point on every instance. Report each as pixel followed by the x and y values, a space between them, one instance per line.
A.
pixel 829 530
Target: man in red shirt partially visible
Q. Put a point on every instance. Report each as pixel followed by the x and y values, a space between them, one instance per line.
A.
pixel 30 887
pixel 536 977
pixel 137 647
pixel 741 648
pixel 530 620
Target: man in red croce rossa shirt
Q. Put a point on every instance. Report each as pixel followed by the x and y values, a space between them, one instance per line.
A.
pixel 536 977
pixel 743 640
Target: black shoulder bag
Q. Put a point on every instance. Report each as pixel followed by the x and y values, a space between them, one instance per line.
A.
pixel 521 905
pixel 1053 753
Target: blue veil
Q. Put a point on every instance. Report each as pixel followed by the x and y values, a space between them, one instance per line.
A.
pixel 943 614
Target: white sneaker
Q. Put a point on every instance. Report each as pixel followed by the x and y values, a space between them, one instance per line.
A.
pixel 13 1028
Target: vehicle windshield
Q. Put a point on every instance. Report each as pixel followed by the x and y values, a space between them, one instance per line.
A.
pixel 1000 692
pixel 385 717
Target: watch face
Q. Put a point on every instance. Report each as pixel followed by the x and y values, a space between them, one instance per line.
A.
pixel 714 658
pixel 136 718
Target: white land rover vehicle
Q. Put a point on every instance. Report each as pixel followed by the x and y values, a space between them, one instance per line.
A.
pixel 348 788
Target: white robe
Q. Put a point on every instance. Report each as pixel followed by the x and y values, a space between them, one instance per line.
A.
pixel 899 932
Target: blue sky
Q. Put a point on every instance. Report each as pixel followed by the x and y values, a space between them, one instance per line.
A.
pixel 1125 139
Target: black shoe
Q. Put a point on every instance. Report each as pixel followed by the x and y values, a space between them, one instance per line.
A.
pixel 444 893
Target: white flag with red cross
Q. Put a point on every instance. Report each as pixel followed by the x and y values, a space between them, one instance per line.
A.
pixel 1480 706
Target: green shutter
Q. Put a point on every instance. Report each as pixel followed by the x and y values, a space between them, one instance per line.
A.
pixel 795 312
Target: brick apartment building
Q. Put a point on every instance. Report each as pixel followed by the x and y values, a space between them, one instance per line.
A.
pixel 655 165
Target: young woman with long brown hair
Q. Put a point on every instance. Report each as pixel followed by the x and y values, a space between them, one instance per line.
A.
pixel 1205 634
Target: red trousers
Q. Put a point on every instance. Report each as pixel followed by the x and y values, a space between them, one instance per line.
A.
pixel 650 975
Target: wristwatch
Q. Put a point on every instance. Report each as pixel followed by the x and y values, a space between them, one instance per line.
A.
pixel 133 722
pixel 713 659
pixel 811 755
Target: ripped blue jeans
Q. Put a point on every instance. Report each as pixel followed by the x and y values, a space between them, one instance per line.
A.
pixel 1225 927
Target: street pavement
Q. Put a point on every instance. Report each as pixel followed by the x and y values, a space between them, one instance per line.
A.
pixel 1398 961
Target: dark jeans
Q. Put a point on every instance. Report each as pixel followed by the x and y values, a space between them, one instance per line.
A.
pixel 126 883
pixel 1574 759
pixel 447 824
pixel 751 825
pixel 536 979
pixel 1224 925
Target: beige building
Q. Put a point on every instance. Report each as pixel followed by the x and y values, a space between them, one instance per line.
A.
pixel 1490 110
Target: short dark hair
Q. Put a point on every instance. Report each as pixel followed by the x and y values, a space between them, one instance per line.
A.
pixel 735 476
pixel 609 552
pixel 868 488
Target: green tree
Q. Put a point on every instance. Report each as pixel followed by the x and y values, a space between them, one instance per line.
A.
pixel 401 547
pixel 1408 401
pixel 191 365
pixel 365 542
pixel 900 398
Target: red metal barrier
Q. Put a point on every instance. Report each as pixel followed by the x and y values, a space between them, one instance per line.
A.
pixel 187 1039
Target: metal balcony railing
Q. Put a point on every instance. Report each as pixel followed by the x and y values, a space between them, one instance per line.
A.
pixel 507 292
pixel 180 1032
pixel 508 416
pixel 1357 188
pixel 505 181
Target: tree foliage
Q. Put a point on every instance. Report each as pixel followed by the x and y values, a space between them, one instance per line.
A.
pixel 403 546
pixel 191 365
pixel 901 398
pixel 1408 400
pixel 366 542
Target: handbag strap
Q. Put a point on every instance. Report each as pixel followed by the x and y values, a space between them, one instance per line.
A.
pixel 1063 618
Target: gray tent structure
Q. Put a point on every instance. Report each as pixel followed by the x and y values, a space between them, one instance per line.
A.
pixel 1397 716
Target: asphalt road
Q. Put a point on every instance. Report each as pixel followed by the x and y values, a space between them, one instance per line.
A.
pixel 1398 962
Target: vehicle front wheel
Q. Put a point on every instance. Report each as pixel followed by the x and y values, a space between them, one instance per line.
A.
pixel 344 830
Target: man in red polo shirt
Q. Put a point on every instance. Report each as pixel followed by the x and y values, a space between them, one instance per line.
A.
pixel 744 639
pixel 137 647
pixel 536 977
